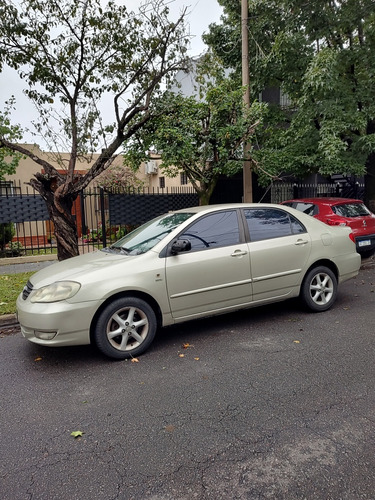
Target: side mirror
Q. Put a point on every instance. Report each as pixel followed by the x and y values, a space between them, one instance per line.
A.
pixel 180 246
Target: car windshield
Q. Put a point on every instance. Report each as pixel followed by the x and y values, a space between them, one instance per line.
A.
pixel 350 210
pixel 146 236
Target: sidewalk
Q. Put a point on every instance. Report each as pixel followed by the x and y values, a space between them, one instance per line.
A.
pixel 14 265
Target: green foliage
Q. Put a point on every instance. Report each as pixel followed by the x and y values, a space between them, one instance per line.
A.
pixel 8 159
pixel 203 137
pixel 322 55
pixel 6 234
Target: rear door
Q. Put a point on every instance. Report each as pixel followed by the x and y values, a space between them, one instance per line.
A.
pixel 279 251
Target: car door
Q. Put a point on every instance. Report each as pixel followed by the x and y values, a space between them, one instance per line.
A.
pixel 279 250
pixel 215 274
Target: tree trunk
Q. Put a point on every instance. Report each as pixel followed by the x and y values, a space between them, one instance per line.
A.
pixel 206 190
pixel 65 233
pixel 65 228
pixel 370 183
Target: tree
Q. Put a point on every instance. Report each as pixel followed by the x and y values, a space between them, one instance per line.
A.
pixel 72 55
pixel 201 137
pixel 9 159
pixel 322 55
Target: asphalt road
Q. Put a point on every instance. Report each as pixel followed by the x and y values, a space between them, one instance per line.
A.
pixel 270 403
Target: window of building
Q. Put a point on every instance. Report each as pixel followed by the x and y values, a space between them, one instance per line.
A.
pixel 183 178
pixel 162 182
pixel 6 188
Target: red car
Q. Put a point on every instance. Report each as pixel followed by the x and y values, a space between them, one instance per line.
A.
pixel 342 212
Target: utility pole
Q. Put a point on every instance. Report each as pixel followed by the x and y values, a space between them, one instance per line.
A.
pixel 247 174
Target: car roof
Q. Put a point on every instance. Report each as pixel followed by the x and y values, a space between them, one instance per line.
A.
pixel 325 201
pixel 226 206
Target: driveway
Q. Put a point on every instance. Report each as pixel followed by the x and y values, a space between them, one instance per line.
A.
pixel 270 403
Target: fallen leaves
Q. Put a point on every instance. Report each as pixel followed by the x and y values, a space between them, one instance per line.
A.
pixel 76 434
pixel 186 345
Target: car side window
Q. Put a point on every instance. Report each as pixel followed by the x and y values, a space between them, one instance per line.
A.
pixel 269 223
pixel 215 230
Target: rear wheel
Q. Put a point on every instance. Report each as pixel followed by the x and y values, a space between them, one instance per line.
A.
pixel 319 289
pixel 125 328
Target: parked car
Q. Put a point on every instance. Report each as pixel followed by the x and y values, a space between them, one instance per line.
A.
pixel 342 212
pixel 184 265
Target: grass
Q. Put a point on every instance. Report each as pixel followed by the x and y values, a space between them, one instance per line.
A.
pixel 11 286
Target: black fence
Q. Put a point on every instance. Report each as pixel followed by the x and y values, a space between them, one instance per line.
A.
pixel 103 217
pixel 281 191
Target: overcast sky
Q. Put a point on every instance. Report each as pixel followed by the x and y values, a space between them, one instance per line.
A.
pixel 201 13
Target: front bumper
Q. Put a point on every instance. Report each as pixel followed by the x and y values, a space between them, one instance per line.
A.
pixel 57 323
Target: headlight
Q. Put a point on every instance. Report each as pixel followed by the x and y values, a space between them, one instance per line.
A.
pixel 61 290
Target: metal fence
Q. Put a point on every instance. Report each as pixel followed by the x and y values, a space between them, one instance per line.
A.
pixel 102 216
pixel 281 191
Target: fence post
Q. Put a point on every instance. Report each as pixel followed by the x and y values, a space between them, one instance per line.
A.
pixel 295 191
pixel 102 214
pixel 83 213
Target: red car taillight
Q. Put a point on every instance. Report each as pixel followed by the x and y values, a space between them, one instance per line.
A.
pixel 351 236
pixel 336 222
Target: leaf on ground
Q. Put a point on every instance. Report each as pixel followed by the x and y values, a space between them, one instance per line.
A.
pixel 170 428
pixel 297 341
pixel 135 360
pixel 76 434
pixel 38 359
pixel 196 359
pixel 187 345
pixel 181 355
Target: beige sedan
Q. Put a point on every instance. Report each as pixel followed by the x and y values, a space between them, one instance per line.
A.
pixel 185 265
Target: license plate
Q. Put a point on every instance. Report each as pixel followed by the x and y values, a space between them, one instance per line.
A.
pixel 364 243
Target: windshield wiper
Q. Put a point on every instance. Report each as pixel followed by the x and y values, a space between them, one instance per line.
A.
pixel 113 249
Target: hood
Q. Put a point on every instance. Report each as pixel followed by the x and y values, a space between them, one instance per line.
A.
pixel 74 268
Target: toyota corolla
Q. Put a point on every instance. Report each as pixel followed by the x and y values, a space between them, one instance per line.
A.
pixel 185 265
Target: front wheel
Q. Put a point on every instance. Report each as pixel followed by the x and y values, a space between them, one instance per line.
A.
pixel 319 289
pixel 125 328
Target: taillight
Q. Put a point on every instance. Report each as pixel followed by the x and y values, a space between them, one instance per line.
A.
pixel 351 236
pixel 336 222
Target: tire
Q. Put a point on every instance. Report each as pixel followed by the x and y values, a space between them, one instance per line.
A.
pixel 135 323
pixel 319 289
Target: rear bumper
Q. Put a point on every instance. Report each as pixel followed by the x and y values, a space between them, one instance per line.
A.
pixel 365 244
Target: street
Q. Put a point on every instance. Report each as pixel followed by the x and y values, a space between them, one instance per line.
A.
pixel 268 403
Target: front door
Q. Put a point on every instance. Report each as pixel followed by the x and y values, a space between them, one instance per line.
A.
pixel 215 274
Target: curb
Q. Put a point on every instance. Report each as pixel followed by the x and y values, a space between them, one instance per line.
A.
pixel 8 261
pixel 7 320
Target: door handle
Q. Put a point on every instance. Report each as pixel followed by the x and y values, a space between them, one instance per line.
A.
pixel 238 253
pixel 301 242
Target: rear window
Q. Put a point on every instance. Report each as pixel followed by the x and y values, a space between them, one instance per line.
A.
pixel 306 208
pixel 350 210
